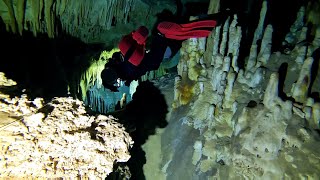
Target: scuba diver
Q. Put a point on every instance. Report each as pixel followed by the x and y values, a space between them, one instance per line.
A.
pixel 134 60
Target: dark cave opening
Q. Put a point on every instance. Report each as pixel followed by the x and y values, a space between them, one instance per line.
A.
pixel 43 66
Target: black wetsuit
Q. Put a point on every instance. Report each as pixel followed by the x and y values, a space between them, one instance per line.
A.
pixel 151 61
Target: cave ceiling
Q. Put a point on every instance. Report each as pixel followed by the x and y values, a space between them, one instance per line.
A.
pixel 91 21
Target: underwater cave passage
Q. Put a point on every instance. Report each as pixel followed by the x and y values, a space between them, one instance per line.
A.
pixel 142 116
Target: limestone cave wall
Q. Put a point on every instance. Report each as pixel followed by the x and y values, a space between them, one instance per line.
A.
pixel 259 121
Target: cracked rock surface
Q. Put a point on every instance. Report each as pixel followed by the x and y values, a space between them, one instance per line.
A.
pixel 57 139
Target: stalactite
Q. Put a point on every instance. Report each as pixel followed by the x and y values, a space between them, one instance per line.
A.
pixel 92 16
pixel 48 14
pixel 102 100
pixel 91 76
pixel 13 23
pixel 41 18
pixel 20 15
pixel 78 18
pixel 35 7
pixel 99 103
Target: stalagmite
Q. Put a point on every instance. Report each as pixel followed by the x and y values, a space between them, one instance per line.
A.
pixel 216 39
pixel 265 49
pixel 176 99
pixel 13 23
pixel 252 58
pixel 227 102
pixel 242 121
pixel 300 51
pixel 259 30
pixel 303 34
pixel 273 102
pixel 197 154
pixel 300 88
pixel 253 75
pixel 271 98
pixel 301 54
pixel 296 27
pixel 226 64
pixel 233 32
pixel 214 6
pixel 315 43
pixel 224 37
pixel 234 42
pixel 316 116
pixel 211 113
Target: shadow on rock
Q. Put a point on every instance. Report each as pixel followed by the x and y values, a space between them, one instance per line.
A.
pixel 146 112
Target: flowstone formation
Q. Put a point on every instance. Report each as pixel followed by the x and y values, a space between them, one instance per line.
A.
pixel 58 139
pixel 256 122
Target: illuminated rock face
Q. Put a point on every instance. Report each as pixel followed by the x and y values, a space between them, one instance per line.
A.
pixel 58 139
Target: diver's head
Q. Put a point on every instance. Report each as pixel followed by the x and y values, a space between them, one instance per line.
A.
pixel 117 57
pixel 109 77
